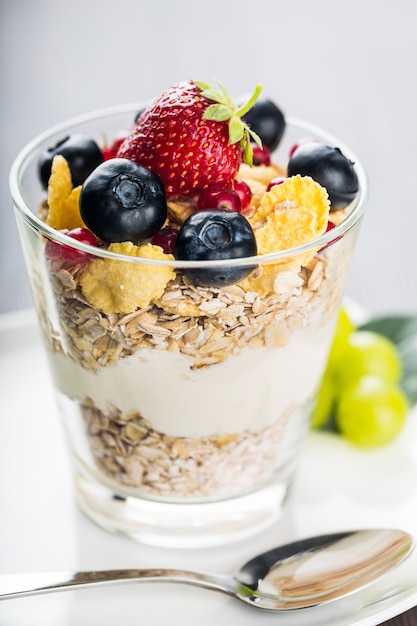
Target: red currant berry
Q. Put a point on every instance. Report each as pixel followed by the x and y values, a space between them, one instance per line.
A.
pixel 301 142
pixel 243 191
pixel 275 181
pixel 55 250
pixel 110 152
pixel 261 156
pixel 165 239
pixel 219 197
pixel 330 226
pixel 107 153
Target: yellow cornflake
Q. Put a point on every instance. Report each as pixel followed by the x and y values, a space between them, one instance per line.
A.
pixel 290 214
pixel 261 280
pixel 184 307
pixel 286 228
pixel 258 179
pixel 261 173
pixel 63 198
pixel 122 287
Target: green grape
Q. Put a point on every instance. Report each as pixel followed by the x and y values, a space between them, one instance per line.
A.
pixel 371 412
pixel 367 353
pixel 325 401
pixel 344 328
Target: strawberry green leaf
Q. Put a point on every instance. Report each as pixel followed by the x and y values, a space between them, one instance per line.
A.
pixel 255 138
pixel 226 99
pixel 223 88
pixel 247 152
pixel 236 130
pixel 226 109
pixel 216 96
pixel 202 86
pixel 249 104
pixel 217 112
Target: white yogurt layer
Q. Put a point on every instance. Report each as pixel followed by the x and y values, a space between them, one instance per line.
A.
pixel 247 391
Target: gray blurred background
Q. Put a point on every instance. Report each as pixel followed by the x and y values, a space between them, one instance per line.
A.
pixel 346 66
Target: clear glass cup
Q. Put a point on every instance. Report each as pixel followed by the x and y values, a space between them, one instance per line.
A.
pixel 184 419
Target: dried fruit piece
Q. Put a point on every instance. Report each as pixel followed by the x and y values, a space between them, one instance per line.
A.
pixel 63 198
pixel 122 287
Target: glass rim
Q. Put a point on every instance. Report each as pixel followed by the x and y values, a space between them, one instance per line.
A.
pixel 356 207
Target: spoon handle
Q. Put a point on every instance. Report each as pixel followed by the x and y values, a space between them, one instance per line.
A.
pixel 18 585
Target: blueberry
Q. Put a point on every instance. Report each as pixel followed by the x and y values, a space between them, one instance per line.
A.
pixel 123 201
pixel 330 168
pixel 82 153
pixel 211 235
pixel 268 121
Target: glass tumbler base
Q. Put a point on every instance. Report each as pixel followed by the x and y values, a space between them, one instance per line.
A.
pixel 180 525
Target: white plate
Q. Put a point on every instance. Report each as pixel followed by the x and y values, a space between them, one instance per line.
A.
pixel 338 487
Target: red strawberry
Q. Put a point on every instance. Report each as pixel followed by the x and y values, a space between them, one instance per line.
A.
pixel 189 141
pixel 110 151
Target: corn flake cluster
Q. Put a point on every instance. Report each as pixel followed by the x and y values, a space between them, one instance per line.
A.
pixel 122 287
pixel 63 198
pixel 290 214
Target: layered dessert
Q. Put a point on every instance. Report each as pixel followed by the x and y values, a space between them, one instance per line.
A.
pixel 194 304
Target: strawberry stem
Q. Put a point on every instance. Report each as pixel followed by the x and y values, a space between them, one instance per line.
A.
pixel 225 109
pixel 249 104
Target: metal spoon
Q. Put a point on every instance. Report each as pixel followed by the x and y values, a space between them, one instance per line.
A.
pixel 298 575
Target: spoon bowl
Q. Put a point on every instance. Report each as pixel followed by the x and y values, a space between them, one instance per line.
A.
pixel 298 575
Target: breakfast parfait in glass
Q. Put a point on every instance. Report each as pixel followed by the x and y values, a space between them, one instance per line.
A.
pixel 188 272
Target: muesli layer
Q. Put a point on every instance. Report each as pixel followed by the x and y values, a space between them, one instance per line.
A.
pixel 130 452
pixel 206 324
